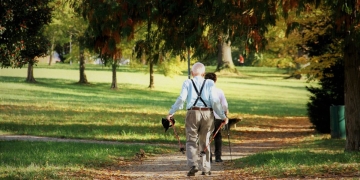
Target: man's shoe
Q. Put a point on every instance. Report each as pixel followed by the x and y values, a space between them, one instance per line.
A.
pixel 206 173
pixel 218 159
pixel 192 171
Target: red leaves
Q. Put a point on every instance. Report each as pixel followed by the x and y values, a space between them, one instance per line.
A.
pixel 206 44
pixel 289 4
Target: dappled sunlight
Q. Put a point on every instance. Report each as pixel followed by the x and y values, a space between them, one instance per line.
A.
pixel 58 109
pixel 276 130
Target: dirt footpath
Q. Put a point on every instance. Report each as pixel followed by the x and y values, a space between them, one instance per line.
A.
pixel 248 140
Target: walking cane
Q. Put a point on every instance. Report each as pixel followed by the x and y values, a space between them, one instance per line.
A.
pixel 228 131
pixel 206 148
pixel 182 149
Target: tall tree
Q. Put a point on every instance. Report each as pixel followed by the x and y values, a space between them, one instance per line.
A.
pixel 21 39
pixel 36 46
pixel 192 17
pixel 152 48
pixel 209 25
pixel 109 23
pixel 345 17
pixel 56 30
pixel 68 27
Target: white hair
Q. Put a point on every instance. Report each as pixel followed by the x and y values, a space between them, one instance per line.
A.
pixel 198 69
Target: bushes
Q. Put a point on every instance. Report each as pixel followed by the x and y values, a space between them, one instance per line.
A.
pixel 330 92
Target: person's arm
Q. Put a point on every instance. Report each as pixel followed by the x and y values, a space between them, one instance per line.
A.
pixel 179 103
pixel 224 102
pixel 216 104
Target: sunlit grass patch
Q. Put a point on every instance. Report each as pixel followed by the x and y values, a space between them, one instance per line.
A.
pixel 319 157
pixel 58 107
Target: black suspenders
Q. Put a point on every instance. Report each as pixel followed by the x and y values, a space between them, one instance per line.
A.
pixel 199 93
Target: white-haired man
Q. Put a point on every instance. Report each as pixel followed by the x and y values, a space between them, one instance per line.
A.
pixel 201 99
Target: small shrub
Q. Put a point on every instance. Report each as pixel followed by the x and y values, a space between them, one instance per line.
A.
pixel 330 92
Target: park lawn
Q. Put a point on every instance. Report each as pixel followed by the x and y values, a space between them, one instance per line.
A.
pixel 315 157
pixel 63 160
pixel 57 106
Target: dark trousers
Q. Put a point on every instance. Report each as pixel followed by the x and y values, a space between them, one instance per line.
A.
pixel 217 138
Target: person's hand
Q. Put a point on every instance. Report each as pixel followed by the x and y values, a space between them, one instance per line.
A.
pixel 226 113
pixel 226 120
pixel 168 117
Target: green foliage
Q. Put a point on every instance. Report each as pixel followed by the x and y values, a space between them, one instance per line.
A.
pixel 330 92
pixel 172 67
pixel 325 64
pixel 65 29
pixel 110 22
pixel 203 25
pixel 73 56
pixel 57 30
pixel 21 22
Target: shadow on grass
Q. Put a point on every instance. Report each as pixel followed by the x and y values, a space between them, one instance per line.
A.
pixel 122 133
pixel 121 124
pixel 65 91
pixel 68 92
pixel 68 154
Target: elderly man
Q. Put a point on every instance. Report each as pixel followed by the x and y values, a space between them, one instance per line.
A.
pixel 201 99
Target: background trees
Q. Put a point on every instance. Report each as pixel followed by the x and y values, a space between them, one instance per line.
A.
pixel 110 22
pixel 196 27
pixel 67 31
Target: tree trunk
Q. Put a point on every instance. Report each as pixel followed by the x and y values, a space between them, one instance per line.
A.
pixel 114 80
pixel 151 64
pixel 51 50
pixel 30 73
pixel 83 79
pixel 143 58
pixel 224 57
pixel 352 96
pixel 151 59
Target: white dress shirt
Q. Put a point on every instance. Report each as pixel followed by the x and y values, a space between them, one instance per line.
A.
pixel 223 101
pixel 209 95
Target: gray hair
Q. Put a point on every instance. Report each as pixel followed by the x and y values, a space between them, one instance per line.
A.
pixel 198 68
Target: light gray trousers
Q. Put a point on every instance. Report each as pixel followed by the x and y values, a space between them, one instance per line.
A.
pixel 198 125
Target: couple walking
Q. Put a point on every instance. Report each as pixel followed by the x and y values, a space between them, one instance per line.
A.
pixel 203 102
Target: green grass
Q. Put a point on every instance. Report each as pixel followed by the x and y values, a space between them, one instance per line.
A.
pixel 57 106
pixel 316 157
pixel 29 160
